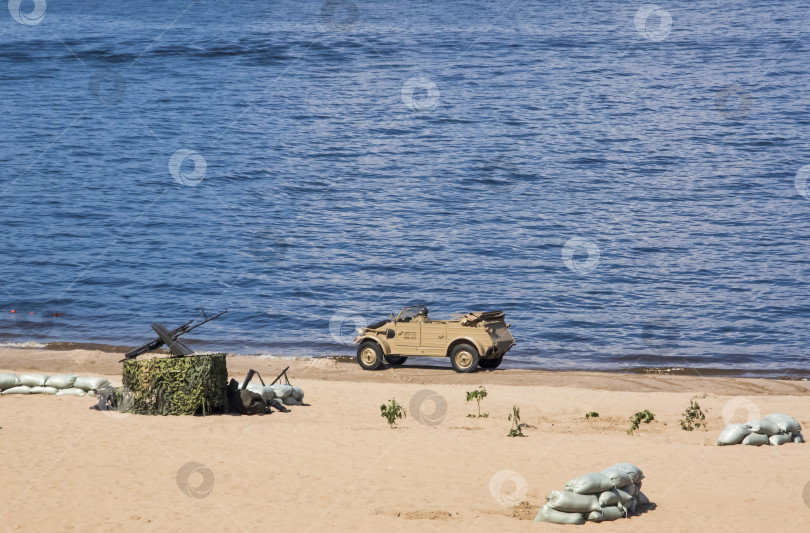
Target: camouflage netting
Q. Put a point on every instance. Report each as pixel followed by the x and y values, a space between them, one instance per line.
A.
pixel 177 385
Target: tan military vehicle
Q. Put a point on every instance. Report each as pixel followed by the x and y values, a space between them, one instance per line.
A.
pixel 469 340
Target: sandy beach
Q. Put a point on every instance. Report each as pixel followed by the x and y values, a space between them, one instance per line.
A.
pixel 335 465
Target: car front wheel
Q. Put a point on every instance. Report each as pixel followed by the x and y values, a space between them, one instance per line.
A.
pixel 369 355
pixel 464 358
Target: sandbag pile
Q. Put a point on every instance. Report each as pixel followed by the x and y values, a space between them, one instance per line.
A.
pixel 58 385
pixel 611 494
pixel 774 430
pixel 288 394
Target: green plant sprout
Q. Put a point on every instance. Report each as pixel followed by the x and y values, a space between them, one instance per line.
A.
pixel 591 414
pixel 642 416
pixel 478 394
pixel 694 417
pixel 392 412
pixel 517 427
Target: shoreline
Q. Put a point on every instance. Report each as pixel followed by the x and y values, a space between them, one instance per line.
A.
pixel 429 372
pixel 699 372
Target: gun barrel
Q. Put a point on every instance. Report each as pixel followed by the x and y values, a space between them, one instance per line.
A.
pixel 154 344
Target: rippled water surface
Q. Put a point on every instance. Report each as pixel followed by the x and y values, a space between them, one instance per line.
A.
pixel 627 184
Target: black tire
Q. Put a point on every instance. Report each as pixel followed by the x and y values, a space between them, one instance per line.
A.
pixel 490 364
pixel 465 358
pixel 369 355
pixel 396 360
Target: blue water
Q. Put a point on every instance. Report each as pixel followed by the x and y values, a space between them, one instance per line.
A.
pixel 362 156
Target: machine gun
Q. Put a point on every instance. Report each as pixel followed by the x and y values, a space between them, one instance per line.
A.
pixel 252 373
pixel 170 338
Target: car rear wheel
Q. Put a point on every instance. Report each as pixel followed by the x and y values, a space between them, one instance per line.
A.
pixel 369 355
pixel 495 362
pixel 464 358
pixel 395 360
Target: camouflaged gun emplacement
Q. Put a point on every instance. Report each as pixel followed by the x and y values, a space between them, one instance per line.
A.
pixel 184 383
pixel 479 338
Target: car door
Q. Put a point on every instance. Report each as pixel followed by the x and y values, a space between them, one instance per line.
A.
pixel 434 338
pixel 408 338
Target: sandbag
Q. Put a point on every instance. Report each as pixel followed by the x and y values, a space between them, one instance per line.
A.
pixel 89 384
pixel 755 439
pixel 282 391
pixel 608 498
pixel 62 381
pixel 33 380
pixel 20 389
pixel 797 438
pixel 43 390
pixel 778 440
pixel 732 434
pixel 625 498
pixel 71 392
pixel 642 500
pixel 290 400
pixel 629 507
pixel 265 391
pixel 571 502
pixel 618 477
pixel 8 380
pixel 298 394
pixel 627 502
pixel 606 514
pixel 631 489
pixel 763 427
pixel 635 473
pixel 553 516
pixel 593 483
pixel 786 423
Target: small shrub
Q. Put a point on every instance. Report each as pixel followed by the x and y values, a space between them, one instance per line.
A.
pixel 693 417
pixel 517 427
pixel 591 414
pixel 392 412
pixel 642 416
pixel 478 394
